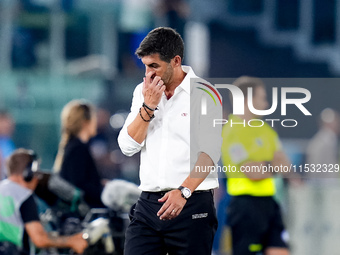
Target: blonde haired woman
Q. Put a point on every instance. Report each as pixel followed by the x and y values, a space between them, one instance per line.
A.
pixel 74 161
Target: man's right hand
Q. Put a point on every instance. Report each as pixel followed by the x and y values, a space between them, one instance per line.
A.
pixel 77 242
pixel 153 88
pixel 42 239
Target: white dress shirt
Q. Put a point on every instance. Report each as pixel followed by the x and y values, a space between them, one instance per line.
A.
pixel 176 136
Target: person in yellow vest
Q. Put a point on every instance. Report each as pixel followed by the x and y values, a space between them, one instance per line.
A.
pixel 253 214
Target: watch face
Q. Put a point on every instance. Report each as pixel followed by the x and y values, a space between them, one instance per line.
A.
pixel 186 192
pixel 85 236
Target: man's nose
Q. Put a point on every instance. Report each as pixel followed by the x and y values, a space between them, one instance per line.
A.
pixel 147 70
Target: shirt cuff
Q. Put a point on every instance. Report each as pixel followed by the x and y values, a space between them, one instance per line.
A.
pixel 212 147
pixel 127 144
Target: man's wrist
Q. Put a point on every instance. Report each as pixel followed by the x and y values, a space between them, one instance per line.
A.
pixel 150 107
pixel 185 192
pixel 147 118
pixel 60 241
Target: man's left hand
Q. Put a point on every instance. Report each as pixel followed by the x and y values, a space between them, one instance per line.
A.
pixel 173 205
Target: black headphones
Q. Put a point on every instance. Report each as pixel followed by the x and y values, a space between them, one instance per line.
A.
pixel 32 166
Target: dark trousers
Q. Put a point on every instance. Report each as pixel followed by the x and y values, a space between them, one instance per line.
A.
pixel 192 232
pixel 256 224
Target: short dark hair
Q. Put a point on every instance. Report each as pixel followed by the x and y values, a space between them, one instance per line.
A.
pixel 245 82
pixel 162 40
pixel 18 161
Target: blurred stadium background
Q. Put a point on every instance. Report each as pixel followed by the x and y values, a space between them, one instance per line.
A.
pixel 52 51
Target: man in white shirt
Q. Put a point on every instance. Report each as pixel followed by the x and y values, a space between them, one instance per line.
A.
pixel 171 123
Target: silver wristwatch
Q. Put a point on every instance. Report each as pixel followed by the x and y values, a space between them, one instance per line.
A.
pixel 186 192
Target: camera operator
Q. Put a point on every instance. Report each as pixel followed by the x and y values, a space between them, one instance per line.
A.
pixel 19 218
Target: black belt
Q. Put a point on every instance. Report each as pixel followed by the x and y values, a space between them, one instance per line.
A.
pixel 159 194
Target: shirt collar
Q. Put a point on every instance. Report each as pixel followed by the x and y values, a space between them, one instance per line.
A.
pixel 185 84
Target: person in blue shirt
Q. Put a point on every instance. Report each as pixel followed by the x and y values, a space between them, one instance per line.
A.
pixel 6 143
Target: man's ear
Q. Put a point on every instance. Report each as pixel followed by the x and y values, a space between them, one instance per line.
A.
pixel 177 60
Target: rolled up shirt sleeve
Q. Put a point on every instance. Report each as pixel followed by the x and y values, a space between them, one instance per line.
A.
pixel 210 138
pixel 210 134
pixel 126 143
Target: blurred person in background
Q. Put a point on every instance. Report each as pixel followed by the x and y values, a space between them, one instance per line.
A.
pixel 174 13
pixel 135 20
pixel 74 161
pixel 102 146
pixel 2 171
pixel 6 143
pixel 323 148
pixel 175 213
pixel 322 154
pixel 19 219
pixel 253 214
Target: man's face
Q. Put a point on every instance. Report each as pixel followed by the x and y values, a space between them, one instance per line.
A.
pixel 6 126
pixel 260 98
pixel 160 67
